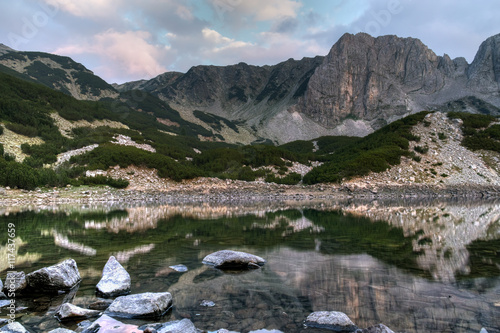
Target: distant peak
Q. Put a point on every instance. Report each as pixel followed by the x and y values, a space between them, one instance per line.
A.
pixel 4 49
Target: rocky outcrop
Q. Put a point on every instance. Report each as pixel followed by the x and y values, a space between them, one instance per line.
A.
pixel 146 305
pixel 331 320
pixel 115 279
pixel 63 276
pixel 69 311
pixel 362 77
pixel 233 259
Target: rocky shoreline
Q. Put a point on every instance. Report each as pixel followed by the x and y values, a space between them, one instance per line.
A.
pixel 238 192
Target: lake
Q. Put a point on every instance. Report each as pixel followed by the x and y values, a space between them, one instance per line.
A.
pixel 413 266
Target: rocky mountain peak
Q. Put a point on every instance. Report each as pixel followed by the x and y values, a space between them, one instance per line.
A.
pixel 363 77
pixel 484 72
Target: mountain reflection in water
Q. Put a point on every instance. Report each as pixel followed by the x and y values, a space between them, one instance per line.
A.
pixel 414 267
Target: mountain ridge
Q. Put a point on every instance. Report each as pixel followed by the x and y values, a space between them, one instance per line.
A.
pixel 362 84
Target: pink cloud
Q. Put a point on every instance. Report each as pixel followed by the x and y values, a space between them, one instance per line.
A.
pixel 124 55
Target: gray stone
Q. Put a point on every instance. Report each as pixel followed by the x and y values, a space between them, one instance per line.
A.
pixel 140 305
pixel 115 279
pixel 14 327
pixel 61 330
pixel 178 326
pixel 15 282
pixel 266 331
pixel 332 320
pixel 233 259
pixel 63 276
pixel 179 268
pixel 69 311
pixel 380 328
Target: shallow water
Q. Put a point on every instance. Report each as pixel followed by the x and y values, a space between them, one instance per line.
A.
pixel 413 267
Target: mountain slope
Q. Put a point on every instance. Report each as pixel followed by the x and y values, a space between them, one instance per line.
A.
pixel 59 73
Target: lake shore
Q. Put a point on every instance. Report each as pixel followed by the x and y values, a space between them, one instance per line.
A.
pixel 212 190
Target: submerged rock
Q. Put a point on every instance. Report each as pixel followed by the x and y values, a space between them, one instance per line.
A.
pixel 178 326
pixel 69 311
pixel 331 320
pixel 380 328
pixel 115 280
pixel 14 327
pixel 207 303
pixel 100 304
pixel 140 305
pixel 15 282
pixel 179 268
pixel 108 324
pixel 63 276
pixel 233 259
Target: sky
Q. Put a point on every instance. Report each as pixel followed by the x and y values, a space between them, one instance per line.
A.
pixel 126 40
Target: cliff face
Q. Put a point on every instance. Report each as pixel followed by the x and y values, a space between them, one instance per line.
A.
pixel 380 79
pixel 484 72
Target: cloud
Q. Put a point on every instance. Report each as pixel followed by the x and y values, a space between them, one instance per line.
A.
pixel 87 8
pixel 124 55
pixel 269 10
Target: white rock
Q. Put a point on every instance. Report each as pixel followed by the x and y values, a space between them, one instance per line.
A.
pixel 233 259
pixel 69 311
pixel 115 279
pixel 332 320
pixel 140 305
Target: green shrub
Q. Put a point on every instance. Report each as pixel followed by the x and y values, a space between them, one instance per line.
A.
pixel 25 130
pixel 421 150
pixel 477 132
